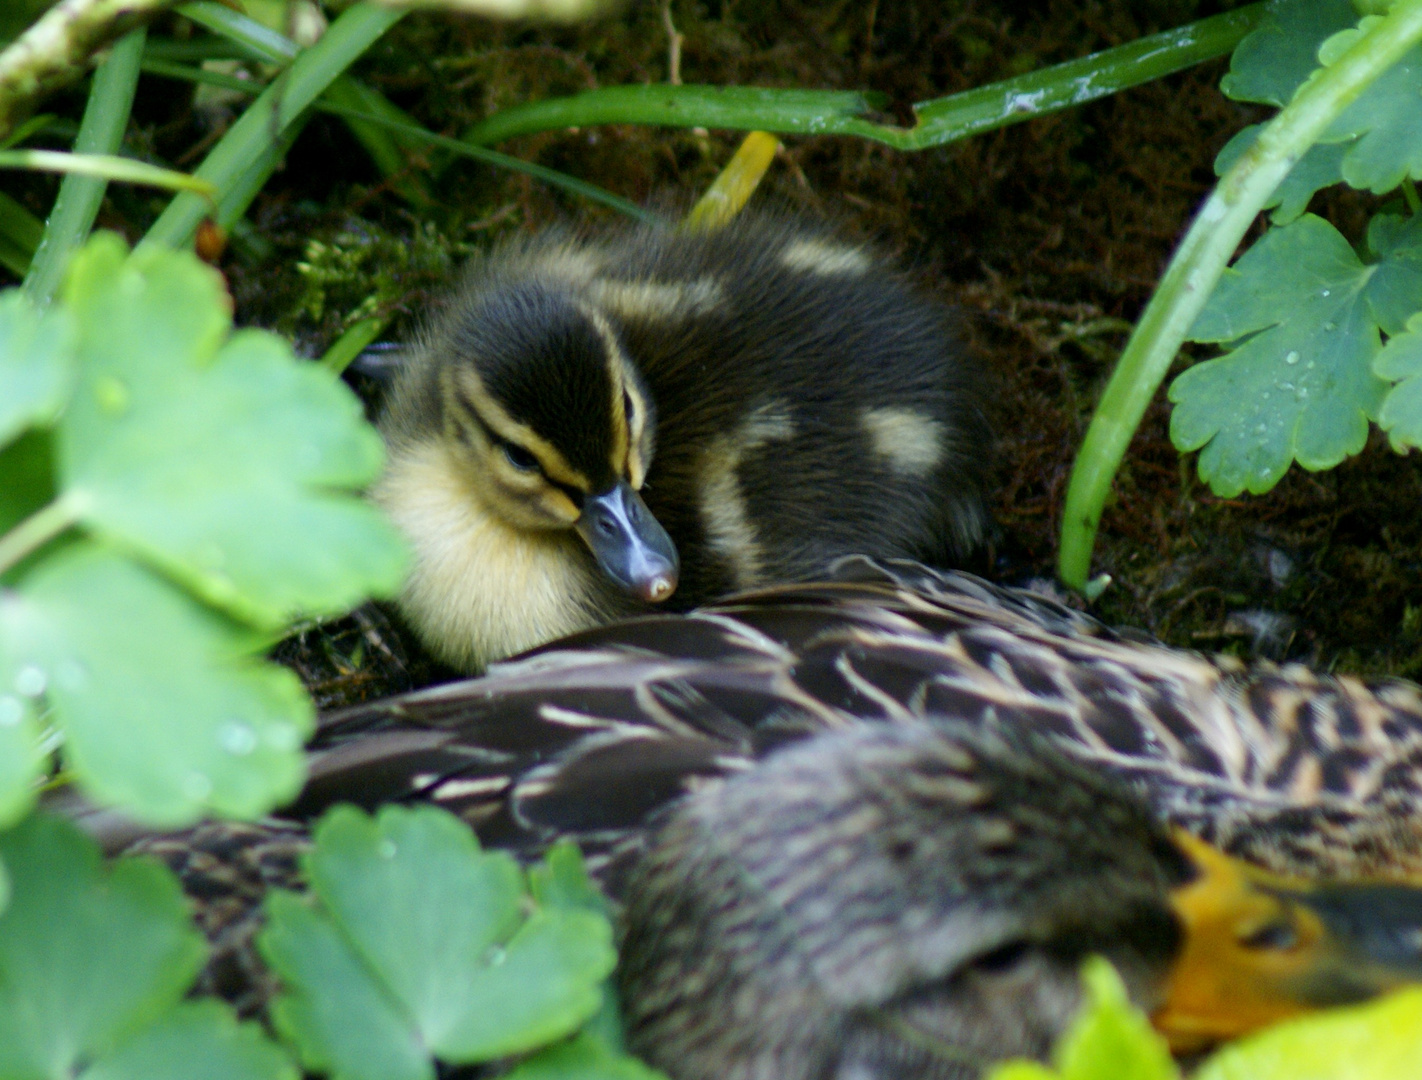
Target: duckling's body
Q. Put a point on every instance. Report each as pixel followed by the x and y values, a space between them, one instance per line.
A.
pixel 773 397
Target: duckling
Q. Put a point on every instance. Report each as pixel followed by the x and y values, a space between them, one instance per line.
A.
pixel 595 426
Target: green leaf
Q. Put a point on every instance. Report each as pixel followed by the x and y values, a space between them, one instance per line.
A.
pixel 423 937
pixel 582 1058
pixel 161 707
pixel 1110 1039
pixel 1280 53
pixel 1302 314
pixel 1395 291
pixel 36 364
pixel 87 956
pixel 1382 128
pixel 1384 121
pixel 333 1010
pixel 223 463
pixel 200 1038
pixel 1318 169
pixel 561 880
pixel 1378 1041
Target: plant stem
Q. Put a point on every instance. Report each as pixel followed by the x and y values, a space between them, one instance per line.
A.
pixel 1196 267
pixel 38 529
pixel 349 345
pixel 101 132
pixel 832 112
pixel 56 49
pixel 250 151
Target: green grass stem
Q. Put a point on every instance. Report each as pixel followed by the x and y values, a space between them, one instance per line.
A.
pixel 100 132
pixel 834 112
pixel 349 345
pixel 243 159
pixel 412 133
pixel 1200 260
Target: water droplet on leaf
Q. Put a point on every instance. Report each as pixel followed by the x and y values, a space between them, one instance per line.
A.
pixel 12 711
pixel 197 786
pixel 1292 357
pixel 30 681
pixel 387 849
pixel 237 737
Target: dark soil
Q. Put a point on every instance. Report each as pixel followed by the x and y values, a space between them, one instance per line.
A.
pixel 1049 236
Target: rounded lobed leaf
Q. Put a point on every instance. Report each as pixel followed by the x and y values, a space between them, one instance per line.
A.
pixel 88 955
pixel 1281 52
pixel 36 363
pixel 162 709
pixel 199 1038
pixel 417 929
pixel 224 461
pixel 1302 314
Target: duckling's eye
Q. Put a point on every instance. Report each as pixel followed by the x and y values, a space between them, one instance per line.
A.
pixel 519 458
pixel 1278 935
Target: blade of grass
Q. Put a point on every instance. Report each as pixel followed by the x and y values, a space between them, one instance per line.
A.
pixel 832 112
pixel 258 41
pixel 391 151
pixel 248 151
pixel 415 134
pixel 20 233
pixel 734 185
pixel 105 167
pixel 391 155
pixel 349 345
pixel 24 131
pixel 504 161
pixel 1200 260
pixel 100 132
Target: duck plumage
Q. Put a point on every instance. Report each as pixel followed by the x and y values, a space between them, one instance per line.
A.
pixel 871 826
pixel 752 402
pixel 1294 771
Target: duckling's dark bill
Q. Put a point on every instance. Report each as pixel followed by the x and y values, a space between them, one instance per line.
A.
pixel 629 543
pixel 1261 948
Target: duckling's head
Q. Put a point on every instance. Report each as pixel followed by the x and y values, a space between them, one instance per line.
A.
pixel 521 428
pixel 917 901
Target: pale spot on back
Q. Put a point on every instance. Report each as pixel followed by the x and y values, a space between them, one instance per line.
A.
pixel 824 257
pixel 909 441
pixel 568 264
pixel 656 300
pixel 729 530
pixel 480 589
